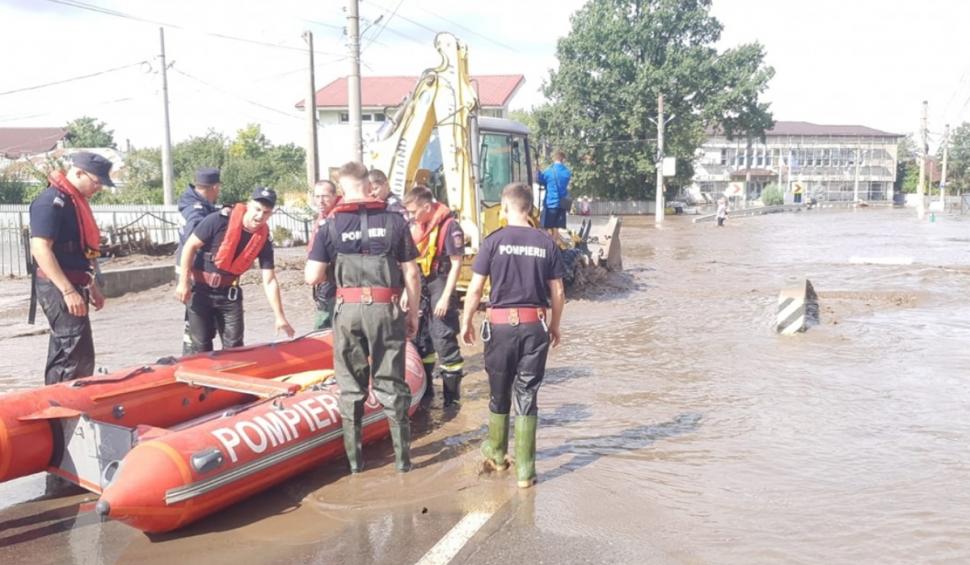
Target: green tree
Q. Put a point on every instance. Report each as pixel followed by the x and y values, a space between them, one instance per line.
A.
pixel 958 162
pixel 617 58
pixel 250 143
pixel 907 166
pixel 89 132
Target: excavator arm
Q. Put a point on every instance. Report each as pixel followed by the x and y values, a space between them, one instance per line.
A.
pixel 444 99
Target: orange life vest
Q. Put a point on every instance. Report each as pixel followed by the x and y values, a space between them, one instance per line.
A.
pixel 429 237
pixel 225 259
pixel 90 234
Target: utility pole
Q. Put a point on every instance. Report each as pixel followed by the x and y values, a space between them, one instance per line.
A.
pixel 659 212
pixel 353 81
pixel 167 189
pixel 747 170
pixel 921 188
pixel 312 171
pixel 946 150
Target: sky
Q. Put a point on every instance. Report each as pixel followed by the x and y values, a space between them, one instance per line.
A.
pixel 867 62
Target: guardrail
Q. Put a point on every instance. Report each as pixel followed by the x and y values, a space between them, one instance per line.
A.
pixel 764 210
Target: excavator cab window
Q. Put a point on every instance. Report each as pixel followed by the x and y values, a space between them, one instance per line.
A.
pixel 504 159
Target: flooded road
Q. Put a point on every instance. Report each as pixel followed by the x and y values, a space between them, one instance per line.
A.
pixel 675 425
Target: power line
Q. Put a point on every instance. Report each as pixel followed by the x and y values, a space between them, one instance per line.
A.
pixel 234 95
pixel 109 12
pixel 72 79
pixel 467 29
pixel 383 27
pixel 452 22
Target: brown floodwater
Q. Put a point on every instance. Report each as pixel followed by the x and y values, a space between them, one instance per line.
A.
pixel 675 425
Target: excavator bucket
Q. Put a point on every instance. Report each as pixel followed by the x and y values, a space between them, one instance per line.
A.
pixel 604 245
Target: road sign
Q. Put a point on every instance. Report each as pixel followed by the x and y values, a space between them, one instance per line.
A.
pixel 669 166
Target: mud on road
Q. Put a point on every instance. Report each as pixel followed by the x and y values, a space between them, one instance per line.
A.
pixel 675 425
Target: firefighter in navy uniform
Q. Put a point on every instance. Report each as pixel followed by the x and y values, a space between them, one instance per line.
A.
pixel 64 240
pixel 222 248
pixel 197 202
pixel 373 256
pixel 525 270
pixel 441 244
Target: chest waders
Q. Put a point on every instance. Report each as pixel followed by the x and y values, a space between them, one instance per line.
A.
pixel 368 323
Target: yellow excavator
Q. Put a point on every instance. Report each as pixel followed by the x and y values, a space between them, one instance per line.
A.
pixel 435 137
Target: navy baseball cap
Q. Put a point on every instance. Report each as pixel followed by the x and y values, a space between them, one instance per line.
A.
pixel 265 195
pixel 94 164
pixel 207 176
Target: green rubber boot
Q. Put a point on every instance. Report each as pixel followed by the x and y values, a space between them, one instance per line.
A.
pixel 353 446
pixel 401 439
pixel 525 450
pixel 496 445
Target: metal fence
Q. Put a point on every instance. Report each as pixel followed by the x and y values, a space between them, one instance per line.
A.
pixel 161 223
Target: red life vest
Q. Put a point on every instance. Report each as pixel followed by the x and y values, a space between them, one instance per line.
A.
pixel 356 205
pixel 90 234
pixel 224 260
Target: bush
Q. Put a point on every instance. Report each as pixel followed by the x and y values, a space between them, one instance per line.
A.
pixel 281 235
pixel 772 196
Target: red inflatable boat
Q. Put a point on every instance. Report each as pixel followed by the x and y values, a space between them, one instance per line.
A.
pixel 167 444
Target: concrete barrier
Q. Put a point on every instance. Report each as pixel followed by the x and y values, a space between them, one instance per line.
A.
pixel 797 308
pixel 122 281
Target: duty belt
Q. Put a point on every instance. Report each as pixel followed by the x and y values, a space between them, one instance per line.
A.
pixel 516 316
pixel 215 280
pixel 368 295
pixel 79 278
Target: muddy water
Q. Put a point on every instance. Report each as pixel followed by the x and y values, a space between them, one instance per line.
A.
pixel 675 425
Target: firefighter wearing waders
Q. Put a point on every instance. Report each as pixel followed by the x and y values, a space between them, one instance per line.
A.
pixel 324 294
pixel 64 241
pixel 441 245
pixel 197 202
pixel 373 256
pixel 525 270
pixel 223 247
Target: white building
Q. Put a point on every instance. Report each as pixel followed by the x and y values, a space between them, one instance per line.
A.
pixel 826 162
pixel 378 94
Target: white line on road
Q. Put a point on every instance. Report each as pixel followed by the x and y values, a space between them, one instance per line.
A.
pixel 448 547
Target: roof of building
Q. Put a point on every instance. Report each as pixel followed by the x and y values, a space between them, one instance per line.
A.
pixel 808 128
pixel 17 142
pixel 377 92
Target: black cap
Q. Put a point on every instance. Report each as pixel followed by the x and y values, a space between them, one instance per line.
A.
pixel 94 164
pixel 265 195
pixel 207 176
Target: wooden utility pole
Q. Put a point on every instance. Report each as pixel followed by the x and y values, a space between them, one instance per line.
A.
pixel 312 170
pixel 921 187
pixel 659 215
pixel 353 81
pixel 946 151
pixel 168 190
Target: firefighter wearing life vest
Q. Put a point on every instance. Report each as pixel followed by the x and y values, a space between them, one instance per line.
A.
pixel 525 269
pixel 64 242
pixel 223 247
pixel 441 244
pixel 373 256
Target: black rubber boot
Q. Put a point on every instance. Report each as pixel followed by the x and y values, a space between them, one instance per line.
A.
pixel 525 450
pixel 429 380
pixel 451 387
pixel 496 444
pixel 401 438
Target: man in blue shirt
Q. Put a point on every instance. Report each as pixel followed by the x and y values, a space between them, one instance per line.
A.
pixel 555 179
